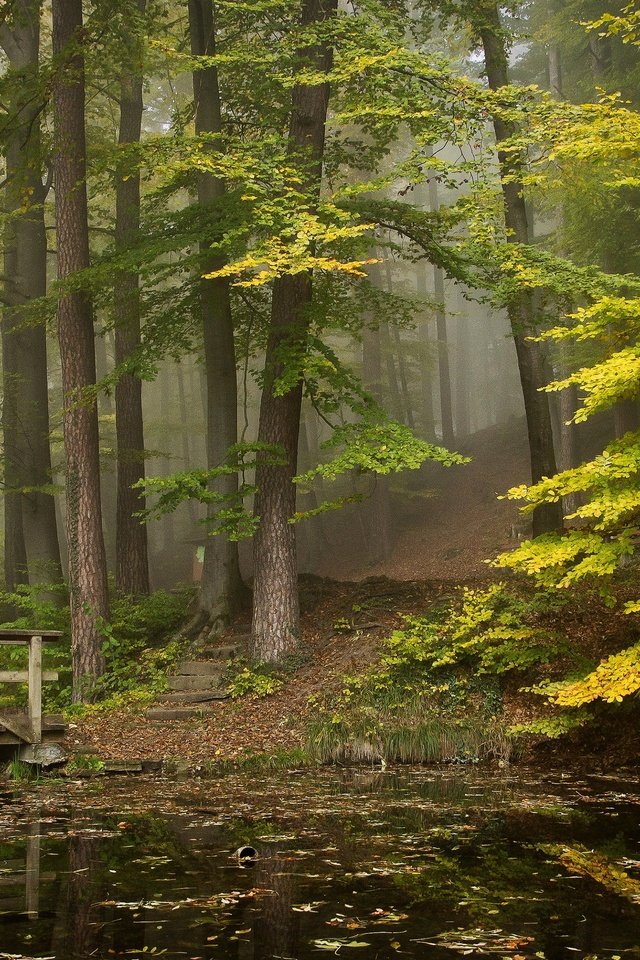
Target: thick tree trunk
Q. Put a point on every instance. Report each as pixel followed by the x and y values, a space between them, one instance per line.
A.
pixel 221 585
pixel 32 552
pixel 87 564
pixel 132 559
pixel 276 615
pixel 523 313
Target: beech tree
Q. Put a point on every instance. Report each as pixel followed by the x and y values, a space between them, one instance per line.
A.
pixel 276 615
pixel 85 542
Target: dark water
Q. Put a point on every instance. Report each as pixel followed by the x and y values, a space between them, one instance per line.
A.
pixel 416 864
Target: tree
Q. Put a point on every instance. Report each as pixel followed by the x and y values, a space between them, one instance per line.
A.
pixel 275 627
pixel 32 552
pixel 132 564
pixel 524 313
pixel 602 137
pixel 85 542
pixel 221 585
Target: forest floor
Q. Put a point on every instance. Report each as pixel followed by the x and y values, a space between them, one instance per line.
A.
pixel 442 542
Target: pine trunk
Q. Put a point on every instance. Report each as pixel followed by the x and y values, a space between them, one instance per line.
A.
pixel 276 614
pixel 221 585
pixel 523 314
pixel 132 555
pixel 87 563
pixel 32 551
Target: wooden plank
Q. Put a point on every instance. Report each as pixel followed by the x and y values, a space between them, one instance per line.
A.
pixel 19 725
pixel 35 688
pixel 22 676
pixel 20 636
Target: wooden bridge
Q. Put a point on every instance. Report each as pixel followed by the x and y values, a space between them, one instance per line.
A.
pixel 29 727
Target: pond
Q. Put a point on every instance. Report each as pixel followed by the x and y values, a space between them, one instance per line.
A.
pixel 417 863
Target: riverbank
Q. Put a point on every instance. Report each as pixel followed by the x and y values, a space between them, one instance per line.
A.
pixel 346 628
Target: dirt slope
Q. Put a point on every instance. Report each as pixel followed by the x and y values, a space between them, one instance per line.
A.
pixel 450 524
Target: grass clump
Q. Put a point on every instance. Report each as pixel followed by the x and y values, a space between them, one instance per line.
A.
pixel 262 762
pixel 17 771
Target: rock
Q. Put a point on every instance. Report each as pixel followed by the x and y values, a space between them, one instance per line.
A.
pixel 43 754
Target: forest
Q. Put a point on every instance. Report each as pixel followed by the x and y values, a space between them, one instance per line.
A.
pixel 320 360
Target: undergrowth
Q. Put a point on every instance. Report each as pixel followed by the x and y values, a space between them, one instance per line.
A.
pixel 139 647
pixel 437 692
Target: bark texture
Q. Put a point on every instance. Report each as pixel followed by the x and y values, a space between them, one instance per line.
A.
pixel 87 563
pixel 221 586
pixel 132 559
pixel 523 313
pixel 276 614
pixel 32 552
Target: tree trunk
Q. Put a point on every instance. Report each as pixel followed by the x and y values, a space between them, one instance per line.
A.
pixel 568 439
pixel 379 540
pixel 87 563
pixel 393 387
pixel 464 372
pixel 405 407
pixel 221 585
pixel 132 556
pixel 428 414
pixel 523 313
pixel 32 551
pixel 276 614
pixel 446 402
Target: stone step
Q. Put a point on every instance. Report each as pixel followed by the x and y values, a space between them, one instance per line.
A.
pixel 201 668
pixel 228 651
pixel 123 766
pixel 175 713
pixel 194 683
pixel 197 696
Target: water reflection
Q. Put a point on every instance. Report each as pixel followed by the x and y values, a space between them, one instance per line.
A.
pixel 400 864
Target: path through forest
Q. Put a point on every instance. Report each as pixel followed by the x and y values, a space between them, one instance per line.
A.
pixel 452 523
